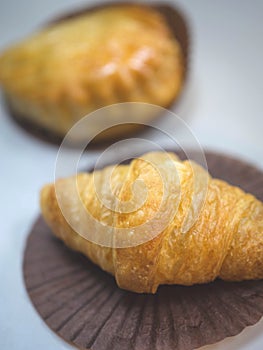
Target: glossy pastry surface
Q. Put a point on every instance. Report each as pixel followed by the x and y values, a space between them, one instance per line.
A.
pixel 118 54
pixel 214 230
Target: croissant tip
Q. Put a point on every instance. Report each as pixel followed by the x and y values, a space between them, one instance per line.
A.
pixel 45 197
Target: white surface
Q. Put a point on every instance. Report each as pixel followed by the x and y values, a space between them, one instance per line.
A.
pixel 222 104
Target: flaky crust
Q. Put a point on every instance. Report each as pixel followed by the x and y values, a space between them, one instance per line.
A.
pixel 219 236
pixel 123 53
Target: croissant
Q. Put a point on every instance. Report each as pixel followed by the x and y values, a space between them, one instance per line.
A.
pixel 121 53
pixel 213 230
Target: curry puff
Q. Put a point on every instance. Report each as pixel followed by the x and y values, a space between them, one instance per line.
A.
pixel 121 53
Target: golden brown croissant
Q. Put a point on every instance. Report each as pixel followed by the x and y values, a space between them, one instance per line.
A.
pixel 123 53
pixel 214 229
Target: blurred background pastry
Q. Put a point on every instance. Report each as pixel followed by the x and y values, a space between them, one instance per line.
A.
pixel 108 55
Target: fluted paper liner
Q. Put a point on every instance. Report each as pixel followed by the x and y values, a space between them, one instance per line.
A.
pixel 83 304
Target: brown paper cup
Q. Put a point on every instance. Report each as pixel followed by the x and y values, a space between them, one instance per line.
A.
pixel 84 306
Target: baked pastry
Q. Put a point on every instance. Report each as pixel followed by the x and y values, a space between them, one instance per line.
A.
pixel 214 230
pixel 121 53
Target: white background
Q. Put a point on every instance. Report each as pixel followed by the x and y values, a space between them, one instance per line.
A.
pixel 222 104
